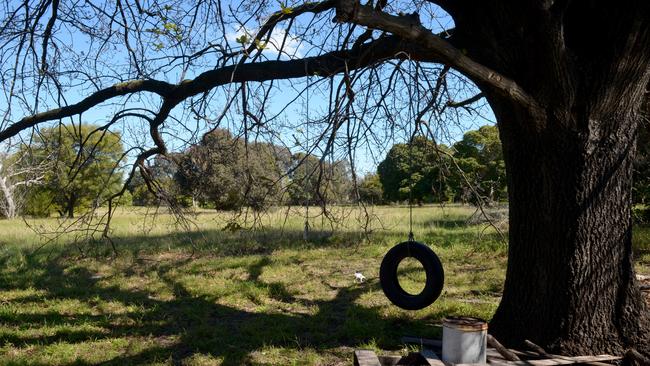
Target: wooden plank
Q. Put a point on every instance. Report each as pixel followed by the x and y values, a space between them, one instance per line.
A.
pixel 432 358
pixel 552 361
pixel 389 360
pixel 599 358
pixel 495 357
pixel 539 351
pixel 529 354
pixel 364 357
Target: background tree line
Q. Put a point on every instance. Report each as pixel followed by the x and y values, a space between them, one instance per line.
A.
pixel 226 173
pixel 70 168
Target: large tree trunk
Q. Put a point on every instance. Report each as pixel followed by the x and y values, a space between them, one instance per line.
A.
pixel 570 284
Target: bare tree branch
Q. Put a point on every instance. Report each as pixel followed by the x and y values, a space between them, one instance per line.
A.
pixel 410 28
pixel 465 102
pixel 322 66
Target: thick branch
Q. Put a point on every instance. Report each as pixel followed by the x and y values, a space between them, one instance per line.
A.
pixel 129 87
pixel 465 102
pixel 290 13
pixel 410 28
pixel 324 65
pixel 48 33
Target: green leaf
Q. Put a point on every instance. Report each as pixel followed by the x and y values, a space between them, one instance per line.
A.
pixel 285 9
pixel 243 39
pixel 260 45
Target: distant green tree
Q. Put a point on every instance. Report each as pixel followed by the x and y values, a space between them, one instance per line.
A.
pixel 86 168
pixel 317 182
pixel 480 159
pixel 417 171
pixel 163 170
pixel 39 202
pixel 371 190
pixel 226 173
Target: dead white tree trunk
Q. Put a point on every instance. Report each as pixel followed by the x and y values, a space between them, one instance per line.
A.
pixel 8 202
pixel 16 173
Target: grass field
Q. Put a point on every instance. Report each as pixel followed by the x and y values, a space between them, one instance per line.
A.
pixel 231 297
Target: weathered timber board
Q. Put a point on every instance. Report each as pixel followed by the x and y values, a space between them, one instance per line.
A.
pixel 551 361
pixel 363 357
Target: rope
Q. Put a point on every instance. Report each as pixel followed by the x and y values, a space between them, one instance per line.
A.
pixel 410 153
pixel 308 186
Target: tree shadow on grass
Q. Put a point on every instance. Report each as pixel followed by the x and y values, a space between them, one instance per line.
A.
pixel 478 239
pixel 446 223
pixel 188 324
pixel 224 243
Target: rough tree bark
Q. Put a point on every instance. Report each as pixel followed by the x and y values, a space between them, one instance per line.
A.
pixel 570 283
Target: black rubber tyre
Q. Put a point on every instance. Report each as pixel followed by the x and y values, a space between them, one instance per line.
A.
pixel 432 267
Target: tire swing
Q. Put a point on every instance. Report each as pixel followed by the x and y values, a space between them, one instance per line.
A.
pixel 435 275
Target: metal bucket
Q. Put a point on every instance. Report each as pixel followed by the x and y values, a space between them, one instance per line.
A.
pixel 464 340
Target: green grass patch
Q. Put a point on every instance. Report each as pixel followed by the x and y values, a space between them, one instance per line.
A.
pixel 217 297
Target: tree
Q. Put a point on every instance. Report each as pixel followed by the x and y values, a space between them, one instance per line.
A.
pixel 163 170
pixel 228 174
pixel 415 171
pixel 566 81
pixel 86 166
pixel 371 190
pixel 315 182
pixel 476 173
pixel 480 159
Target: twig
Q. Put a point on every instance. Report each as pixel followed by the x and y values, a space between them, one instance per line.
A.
pixel 506 353
pixel 536 348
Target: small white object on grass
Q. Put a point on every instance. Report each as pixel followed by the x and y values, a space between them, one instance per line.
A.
pixel 359 277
